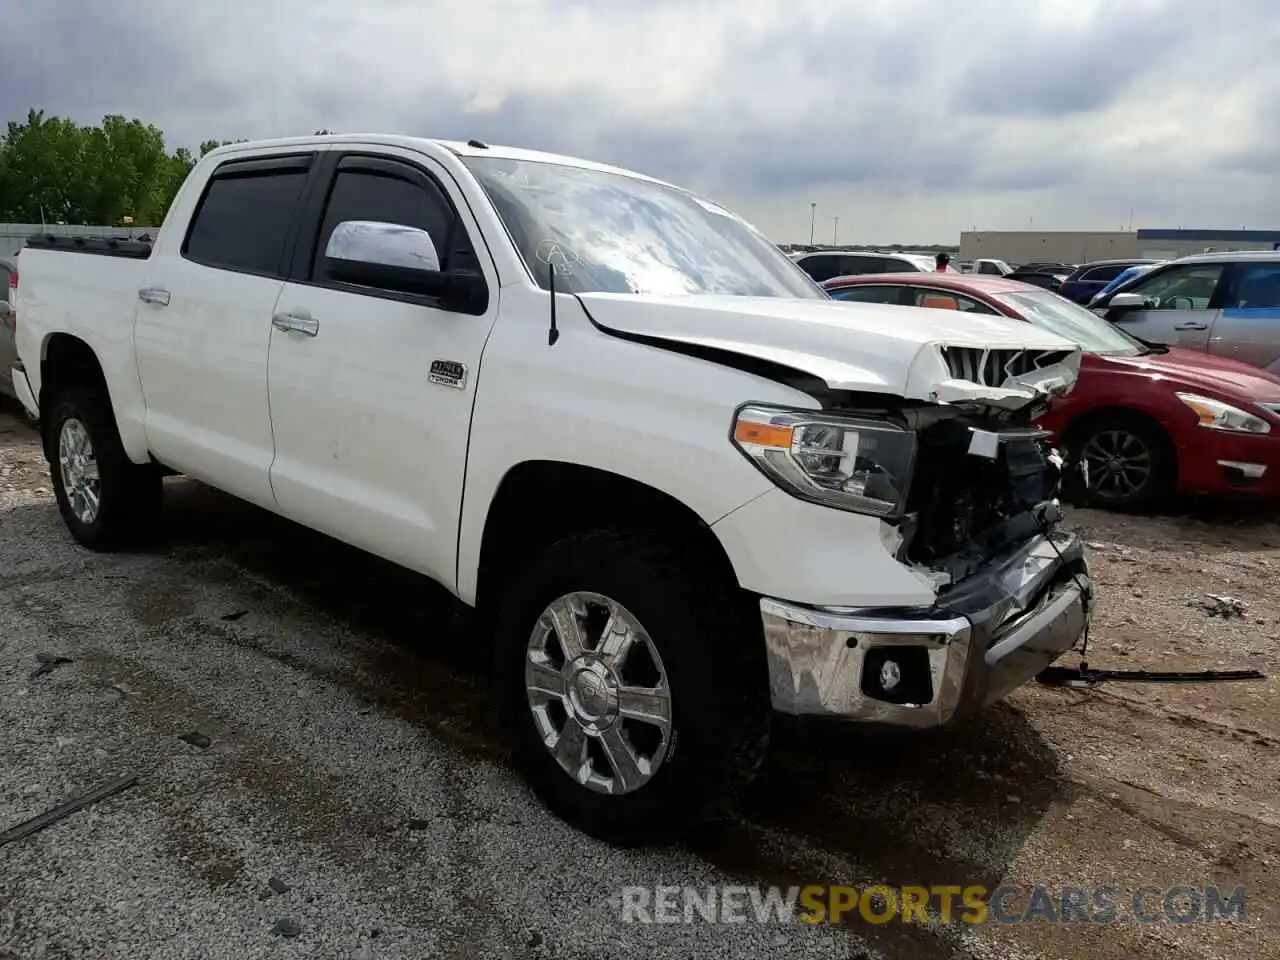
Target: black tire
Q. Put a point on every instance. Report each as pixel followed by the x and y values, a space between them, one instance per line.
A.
pixel 130 495
pixel 715 670
pixel 1131 433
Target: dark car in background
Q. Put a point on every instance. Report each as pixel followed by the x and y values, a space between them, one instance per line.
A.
pixel 1088 279
pixel 1045 276
pixel 8 351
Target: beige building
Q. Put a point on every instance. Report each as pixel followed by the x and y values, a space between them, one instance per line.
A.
pixel 1025 246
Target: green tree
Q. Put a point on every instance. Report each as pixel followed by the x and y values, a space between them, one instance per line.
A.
pixel 118 171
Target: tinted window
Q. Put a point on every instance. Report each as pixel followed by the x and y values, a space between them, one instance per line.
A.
pixel 988 267
pixel 243 221
pixel 852 266
pixel 821 267
pixel 1257 286
pixel 1188 287
pixel 366 195
pixel 869 294
pixel 1104 274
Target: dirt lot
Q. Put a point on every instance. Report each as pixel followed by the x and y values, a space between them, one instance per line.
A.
pixel 353 799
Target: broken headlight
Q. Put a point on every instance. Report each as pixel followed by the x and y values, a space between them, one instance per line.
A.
pixel 853 464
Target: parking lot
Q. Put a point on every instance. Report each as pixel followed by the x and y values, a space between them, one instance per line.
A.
pixel 348 795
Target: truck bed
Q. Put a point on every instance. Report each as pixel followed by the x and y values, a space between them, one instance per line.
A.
pixel 139 249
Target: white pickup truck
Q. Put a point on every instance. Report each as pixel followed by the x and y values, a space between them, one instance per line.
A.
pixel 682 486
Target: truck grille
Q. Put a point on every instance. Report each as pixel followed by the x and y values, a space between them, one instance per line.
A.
pixel 991 368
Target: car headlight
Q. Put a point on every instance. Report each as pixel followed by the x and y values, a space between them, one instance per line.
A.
pixel 853 464
pixel 1217 415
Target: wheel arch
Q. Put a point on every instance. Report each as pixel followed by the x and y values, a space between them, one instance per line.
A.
pixel 539 502
pixel 67 361
pixel 1076 428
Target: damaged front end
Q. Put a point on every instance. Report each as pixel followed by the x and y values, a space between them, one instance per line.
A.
pixel 979 519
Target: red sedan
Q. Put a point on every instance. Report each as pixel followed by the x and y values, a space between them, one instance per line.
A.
pixel 1150 421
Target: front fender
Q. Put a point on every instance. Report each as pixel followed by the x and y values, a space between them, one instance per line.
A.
pixel 657 417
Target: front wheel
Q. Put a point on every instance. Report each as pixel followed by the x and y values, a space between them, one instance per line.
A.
pixel 1131 463
pixel 632 693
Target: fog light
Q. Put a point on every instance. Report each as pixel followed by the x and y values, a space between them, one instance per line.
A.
pixel 890 675
pixel 897 673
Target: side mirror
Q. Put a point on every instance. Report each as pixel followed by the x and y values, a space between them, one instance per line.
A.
pixel 1128 301
pixel 390 256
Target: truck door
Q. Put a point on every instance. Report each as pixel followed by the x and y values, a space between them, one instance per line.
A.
pixel 371 390
pixel 1249 327
pixel 203 325
pixel 1185 300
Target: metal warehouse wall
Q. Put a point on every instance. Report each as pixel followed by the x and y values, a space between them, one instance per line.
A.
pixel 1024 246
pixel 14 235
pixel 1171 249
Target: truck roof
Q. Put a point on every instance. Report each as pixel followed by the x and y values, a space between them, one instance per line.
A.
pixel 459 148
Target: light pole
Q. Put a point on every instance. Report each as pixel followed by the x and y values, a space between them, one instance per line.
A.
pixel 813 212
pixel 835 231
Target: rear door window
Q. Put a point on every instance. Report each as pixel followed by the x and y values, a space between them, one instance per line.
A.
pixel 1256 286
pixel 947 300
pixel 246 216
pixel 870 293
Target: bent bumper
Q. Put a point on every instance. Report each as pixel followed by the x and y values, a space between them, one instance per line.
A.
pixel 987 635
pixel 22 387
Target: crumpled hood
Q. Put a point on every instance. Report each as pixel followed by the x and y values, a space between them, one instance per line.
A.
pixel 876 348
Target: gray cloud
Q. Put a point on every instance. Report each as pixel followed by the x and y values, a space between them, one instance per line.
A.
pixel 911 111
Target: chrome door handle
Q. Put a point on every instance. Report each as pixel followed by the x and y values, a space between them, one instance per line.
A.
pixel 157 295
pixel 296 321
pixel 1191 325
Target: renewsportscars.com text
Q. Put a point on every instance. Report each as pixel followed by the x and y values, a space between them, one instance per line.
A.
pixel 941 903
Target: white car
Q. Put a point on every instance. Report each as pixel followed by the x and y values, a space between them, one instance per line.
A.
pixel 683 487
pixel 825 265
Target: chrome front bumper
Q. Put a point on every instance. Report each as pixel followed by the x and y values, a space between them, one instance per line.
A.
pixel 988 635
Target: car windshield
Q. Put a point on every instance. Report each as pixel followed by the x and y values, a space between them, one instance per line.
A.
pixel 1072 322
pixel 609 232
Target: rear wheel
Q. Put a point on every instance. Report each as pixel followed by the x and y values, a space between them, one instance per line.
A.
pixel 631 694
pixel 1130 461
pixel 105 498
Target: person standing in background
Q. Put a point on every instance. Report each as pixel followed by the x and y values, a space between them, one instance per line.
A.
pixel 942 263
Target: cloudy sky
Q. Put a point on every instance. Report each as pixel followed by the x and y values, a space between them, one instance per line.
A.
pixel 909 120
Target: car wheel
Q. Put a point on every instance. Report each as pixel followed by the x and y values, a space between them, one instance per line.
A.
pixel 631 693
pixel 105 498
pixel 1130 462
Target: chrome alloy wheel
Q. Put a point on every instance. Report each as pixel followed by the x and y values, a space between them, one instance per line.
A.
pixel 79 469
pixel 1119 464
pixel 598 692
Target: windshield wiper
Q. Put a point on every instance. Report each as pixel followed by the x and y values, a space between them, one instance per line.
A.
pixel 1149 347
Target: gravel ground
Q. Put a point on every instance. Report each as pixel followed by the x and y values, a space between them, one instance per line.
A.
pixel 352 798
